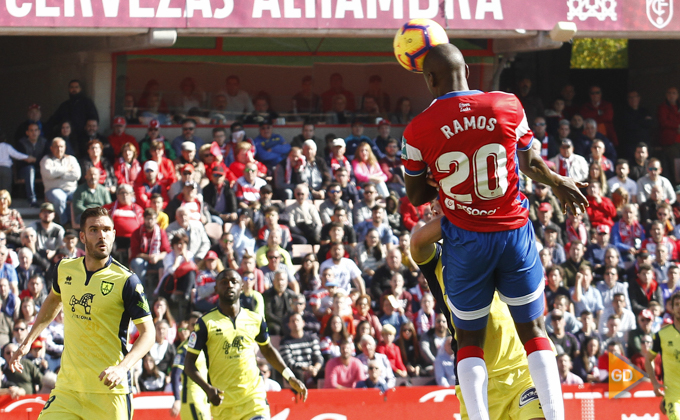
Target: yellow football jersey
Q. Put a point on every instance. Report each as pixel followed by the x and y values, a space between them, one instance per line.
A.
pixel 98 307
pixel 503 350
pixel 667 342
pixel 228 346
pixel 191 392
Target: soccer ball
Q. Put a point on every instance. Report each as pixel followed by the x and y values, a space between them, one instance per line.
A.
pixel 414 39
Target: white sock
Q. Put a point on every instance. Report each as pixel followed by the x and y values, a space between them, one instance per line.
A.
pixel 473 380
pixel 546 377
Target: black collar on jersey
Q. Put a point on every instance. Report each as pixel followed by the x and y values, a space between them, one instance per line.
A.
pixel 460 93
pixel 89 274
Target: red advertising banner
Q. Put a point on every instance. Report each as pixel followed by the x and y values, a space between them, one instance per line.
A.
pixel 581 402
pixel 589 15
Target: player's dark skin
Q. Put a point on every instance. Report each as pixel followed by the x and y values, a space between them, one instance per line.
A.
pixel 228 286
pixel 445 71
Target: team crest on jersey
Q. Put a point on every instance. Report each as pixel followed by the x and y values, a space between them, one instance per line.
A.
pixel 528 396
pixel 464 107
pixel 106 287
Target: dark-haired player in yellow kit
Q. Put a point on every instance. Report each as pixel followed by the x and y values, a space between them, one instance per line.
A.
pixel 227 335
pixel 191 403
pixel 99 298
pixel 511 392
pixel 667 342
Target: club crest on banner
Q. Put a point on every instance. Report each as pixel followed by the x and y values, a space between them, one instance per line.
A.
pixel 599 9
pixel 659 12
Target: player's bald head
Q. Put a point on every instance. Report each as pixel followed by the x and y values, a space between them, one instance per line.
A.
pixel 444 69
pixel 444 59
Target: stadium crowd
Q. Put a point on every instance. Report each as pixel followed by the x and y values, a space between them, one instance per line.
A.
pixel 319 229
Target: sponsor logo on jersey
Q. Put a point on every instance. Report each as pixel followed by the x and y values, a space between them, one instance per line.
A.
pixel 68 280
pixel 236 344
pixel 528 396
pixel 85 301
pixel 451 204
pixel 106 287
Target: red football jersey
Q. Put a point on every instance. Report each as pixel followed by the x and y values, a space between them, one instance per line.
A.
pixel 469 140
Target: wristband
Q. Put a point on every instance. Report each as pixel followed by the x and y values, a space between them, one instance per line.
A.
pixel 287 373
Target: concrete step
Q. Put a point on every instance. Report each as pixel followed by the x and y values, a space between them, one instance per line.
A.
pixel 28 213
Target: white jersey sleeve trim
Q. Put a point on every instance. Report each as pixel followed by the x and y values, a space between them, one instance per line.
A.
pixel 522 128
pixel 413 153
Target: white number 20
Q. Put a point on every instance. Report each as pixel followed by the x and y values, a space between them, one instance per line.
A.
pixel 488 168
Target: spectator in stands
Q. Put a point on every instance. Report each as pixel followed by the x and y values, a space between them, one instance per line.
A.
pixel 186 175
pixel 33 116
pixel 531 102
pixel 78 109
pixel 348 188
pixel 601 210
pixel 26 268
pixel 312 325
pixel 583 295
pixel 669 123
pixel 153 134
pixel 444 365
pixel 638 166
pixel 306 102
pixel 188 135
pixel 119 137
pixel 28 379
pixel 149 183
pixel 370 253
pixel 49 234
pixel 92 133
pixel 657 238
pixel 238 100
pixel 151 379
pixel 628 233
pixel 126 214
pixel 337 158
pixel 432 340
pixel 289 173
pixel 300 351
pixel 618 306
pixel 90 194
pixel 271 149
pixel 367 169
pixel 71 244
pixel 36 291
pixel 393 168
pixel 661 264
pixel 273 242
pixel 393 313
pixel 644 289
pixel 391 350
pixel 400 296
pixel 370 112
pixel 585 366
pixel 336 88
pixel 303 216
pixel 564 365
pixel 636 124
pixel 271 218
pixel 549 145
pixel 60 173
pixel 149 245
pixel 356 138
pixel 554 286
pixel 544 223
pixel 570 164
pixel 339 114
pixel 226 147
pixel 225 251
pixel 344 371
pixel 382 278
pixel 248 186
pixel 374 379
pixel 262 111
pixel 621 179
pixel 673 283
pixel 8 299
pixel 644 327
pixel 219 199
pixel 166 169
pixel 334 331
pixel 383 137
pixel 371 355
pixel 362 210
pixel 403 114
pixel 7 270
pixel 277 302
pixel 11 223
pixel 34 146
pixel 564 341
pixel 163 351
pixel 317 174
pixel 648 209
pixel 20 330
pixel 126 167
pixel 94 158
pixel 550 245
pixel 377 223
pixel 274 265
pixel 242 231
pixel 178 276
pixel 574 263
pixel 188 162
pixel 595 252
pixel 652 178
pixel 244 154
pixel 192 201
pixel 600 111
pixel 345 270
pixel 199 243
pixel 363 313
pixel 612 275
pixel 333 200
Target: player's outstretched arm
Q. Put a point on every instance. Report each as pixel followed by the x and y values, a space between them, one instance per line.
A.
pixel 214 395
pixel 650 369
pixel 418 190
pixel 114 375
pixel 274 358
pixel 48 311
pixel 422 241
pixel 565 189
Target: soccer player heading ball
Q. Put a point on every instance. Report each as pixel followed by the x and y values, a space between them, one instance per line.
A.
pixel 474 143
